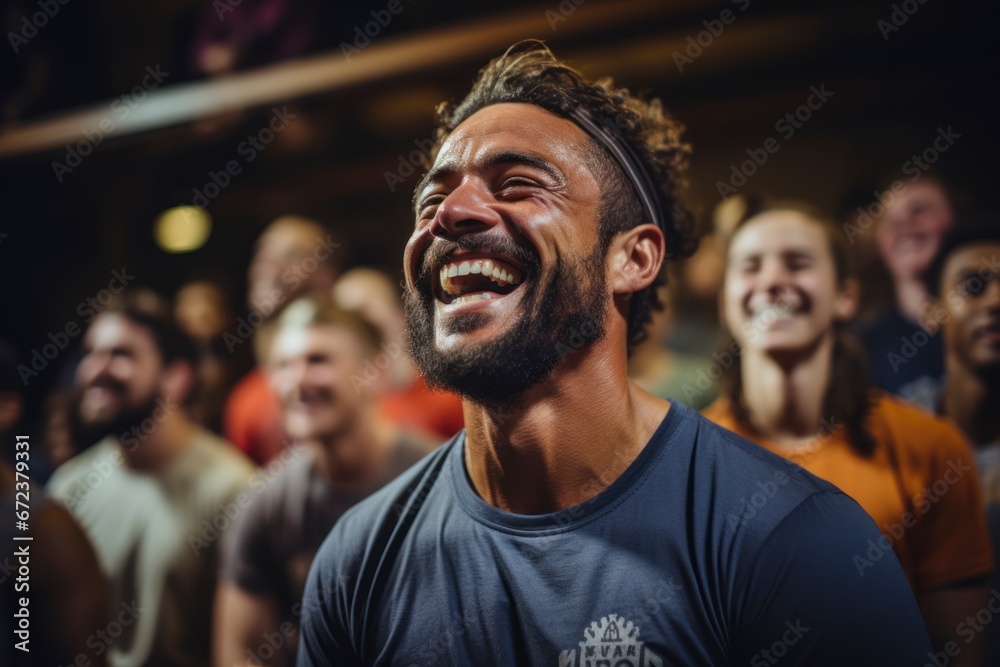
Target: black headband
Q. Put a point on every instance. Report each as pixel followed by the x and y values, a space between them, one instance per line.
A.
pixel 630 163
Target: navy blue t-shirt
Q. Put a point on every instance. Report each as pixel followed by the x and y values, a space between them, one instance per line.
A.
pixel 903 359
pixel 707 550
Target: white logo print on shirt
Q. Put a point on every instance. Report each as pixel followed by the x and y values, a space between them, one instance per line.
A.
pixel 612 642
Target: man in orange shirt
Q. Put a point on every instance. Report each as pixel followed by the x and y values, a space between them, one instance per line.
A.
pixel 796 385
pixel 293 257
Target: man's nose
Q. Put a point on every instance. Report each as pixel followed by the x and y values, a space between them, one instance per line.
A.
pixel 991 294
pixel 465 210
pixel 93 366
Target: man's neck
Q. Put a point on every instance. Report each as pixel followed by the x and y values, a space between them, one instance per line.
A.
pixel 356 455
pixel 911 298
pixel 785 401
pixel 155 451
pixel 564 441
pixel 972 402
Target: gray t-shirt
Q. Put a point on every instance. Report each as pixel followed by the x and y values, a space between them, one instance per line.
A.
pixel 272 544
pixel 151 535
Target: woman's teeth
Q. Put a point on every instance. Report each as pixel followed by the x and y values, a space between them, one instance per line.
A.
pixel 771 312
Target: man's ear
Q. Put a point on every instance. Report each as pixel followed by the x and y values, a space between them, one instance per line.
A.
pixel 845 304
pixel 635 258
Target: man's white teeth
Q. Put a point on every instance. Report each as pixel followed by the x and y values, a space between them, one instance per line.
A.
pixel 495 270
pixel 478 296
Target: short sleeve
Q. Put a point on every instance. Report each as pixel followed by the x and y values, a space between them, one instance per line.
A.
pixel 950 540
pixel 324 639
pixel 825 590
pixel 248 551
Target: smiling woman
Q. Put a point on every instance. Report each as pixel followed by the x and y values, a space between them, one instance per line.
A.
pixel 800 390
pixel 789 289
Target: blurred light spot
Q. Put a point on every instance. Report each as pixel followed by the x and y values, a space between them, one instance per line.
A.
pixel 182 228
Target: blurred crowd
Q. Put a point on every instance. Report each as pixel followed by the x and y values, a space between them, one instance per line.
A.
pixel 185 496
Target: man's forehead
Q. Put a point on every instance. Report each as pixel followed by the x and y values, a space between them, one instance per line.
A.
pixel 301 340
pixel 112 330
pixel 776 229
pixel 512 125
pixel 972 255
pixel 918 193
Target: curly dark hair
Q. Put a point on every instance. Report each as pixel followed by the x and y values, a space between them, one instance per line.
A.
pixel 529 73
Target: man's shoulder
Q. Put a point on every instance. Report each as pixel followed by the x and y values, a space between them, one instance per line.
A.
pixel 744 462
pixel 215 465
pixel 103 458
pixel 751 490
pixel 210 447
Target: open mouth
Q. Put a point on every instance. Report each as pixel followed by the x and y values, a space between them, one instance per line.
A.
pixel 473 279
pixel 103 393
pixel 307 400
pixel 774 313
pixel 912 242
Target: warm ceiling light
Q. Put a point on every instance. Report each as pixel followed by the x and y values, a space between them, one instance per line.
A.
pixel 182 228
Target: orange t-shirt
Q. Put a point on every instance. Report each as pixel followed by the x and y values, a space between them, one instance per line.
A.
pixel 437 414
pixel 253 416
pixel 253 420
pixel 921 487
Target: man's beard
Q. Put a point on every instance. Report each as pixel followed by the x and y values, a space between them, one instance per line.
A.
pixel 86 433
pixel 567 314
